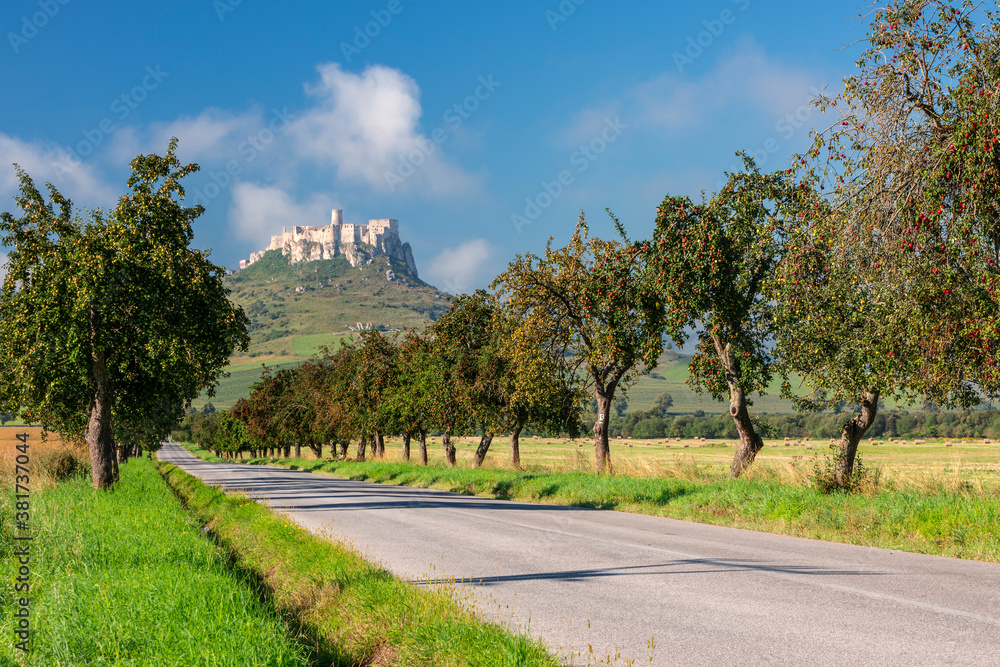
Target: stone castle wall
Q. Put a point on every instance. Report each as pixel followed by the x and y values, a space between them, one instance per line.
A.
pixel 359 243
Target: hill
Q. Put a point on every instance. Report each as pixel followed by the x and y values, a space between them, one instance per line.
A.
pixel 296 308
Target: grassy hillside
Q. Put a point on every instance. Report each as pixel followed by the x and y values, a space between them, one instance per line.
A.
pixel 295 309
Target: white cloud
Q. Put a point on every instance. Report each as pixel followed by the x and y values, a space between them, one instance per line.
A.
pixel 48 163
pixel 745 78
pixel 213 134
pixel 260 211
pixel 3 266
pixel 462 269
pixel 367 127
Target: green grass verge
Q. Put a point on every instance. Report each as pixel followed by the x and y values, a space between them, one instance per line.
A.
pixel 126 577
pixel 964 525
pixel 357 613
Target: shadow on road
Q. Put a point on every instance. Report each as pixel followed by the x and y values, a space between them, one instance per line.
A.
pixel 674 567
pixel 299 490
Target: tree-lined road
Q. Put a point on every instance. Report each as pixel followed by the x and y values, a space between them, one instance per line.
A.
pixel 649 587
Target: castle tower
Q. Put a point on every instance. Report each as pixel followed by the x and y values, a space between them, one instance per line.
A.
pixel 336 217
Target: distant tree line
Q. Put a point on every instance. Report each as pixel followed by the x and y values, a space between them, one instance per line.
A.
pixel 895 424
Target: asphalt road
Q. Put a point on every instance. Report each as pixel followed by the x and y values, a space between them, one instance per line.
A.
pixel 658 591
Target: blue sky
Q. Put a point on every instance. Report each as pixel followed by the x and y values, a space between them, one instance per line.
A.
pixel 483 127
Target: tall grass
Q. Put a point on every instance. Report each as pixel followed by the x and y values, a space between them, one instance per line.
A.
pixel 52 459
pixel 126 577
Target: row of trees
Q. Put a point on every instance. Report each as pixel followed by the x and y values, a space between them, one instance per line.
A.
pixel 870 268
pixel 889 424
pixel 466 374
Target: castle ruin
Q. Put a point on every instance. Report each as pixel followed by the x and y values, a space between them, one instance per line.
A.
pixel 358 243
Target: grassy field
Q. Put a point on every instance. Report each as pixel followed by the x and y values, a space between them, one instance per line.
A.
pixel 126 577
pixel 237 385
pixel 923 465
pixel 928 498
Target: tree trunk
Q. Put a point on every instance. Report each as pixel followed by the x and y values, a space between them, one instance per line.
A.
pixel 750 440
pixel 379 445
pixel 362 444
pixel 851 435
pixel 298 450
pixel 344 444
pixel 317 450
pixel 99 435
pixel 287 451
pixel 515 445
pixel 406 446
pixel 449 449
pixel 484 446
pixel 422 442
pixel 602 449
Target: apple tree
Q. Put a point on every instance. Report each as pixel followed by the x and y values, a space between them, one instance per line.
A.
pixel 591 298
pixel 909 251
pixel 110 324
pixel 711 263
